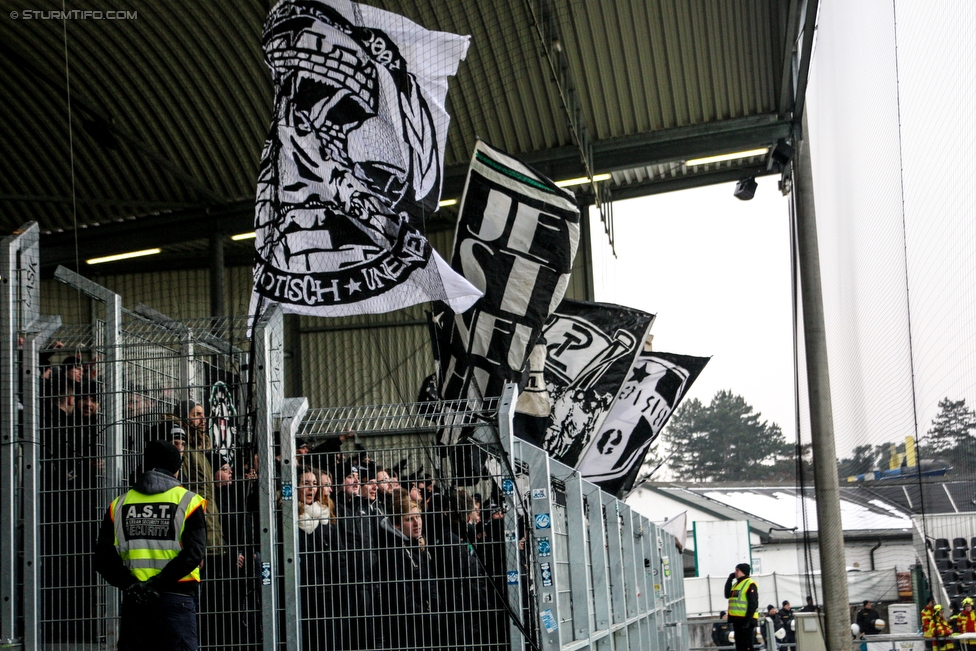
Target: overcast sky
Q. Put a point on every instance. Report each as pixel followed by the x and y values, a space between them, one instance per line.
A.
pixel 716 271
pixel 895 211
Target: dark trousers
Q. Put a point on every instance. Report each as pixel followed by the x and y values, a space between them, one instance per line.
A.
pixel 745 630
pixel 169 624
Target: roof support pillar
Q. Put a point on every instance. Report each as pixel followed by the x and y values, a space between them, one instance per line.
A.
pixel 826 483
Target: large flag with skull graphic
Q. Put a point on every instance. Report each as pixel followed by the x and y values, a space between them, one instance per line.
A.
pixel 353 161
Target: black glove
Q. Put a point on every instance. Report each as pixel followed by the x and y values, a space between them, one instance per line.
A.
pixel 141 593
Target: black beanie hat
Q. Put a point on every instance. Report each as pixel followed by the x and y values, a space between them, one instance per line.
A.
pixel 744 568
pixel 162 455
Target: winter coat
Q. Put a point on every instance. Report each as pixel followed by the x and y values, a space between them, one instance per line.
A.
pixel 408 603
pixel 321 575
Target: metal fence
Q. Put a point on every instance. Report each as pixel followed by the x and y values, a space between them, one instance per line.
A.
pixel 346 528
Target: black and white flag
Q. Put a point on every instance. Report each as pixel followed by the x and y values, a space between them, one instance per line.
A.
pixel 590 349
pixel 516 239
pixel 355 151
pixel 655 385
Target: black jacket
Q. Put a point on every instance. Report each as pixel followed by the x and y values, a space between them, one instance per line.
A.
pixel 409 601
pixel 787 617
pixel 752 597
pixel 109 564
pixel 720 634
pixel 865 620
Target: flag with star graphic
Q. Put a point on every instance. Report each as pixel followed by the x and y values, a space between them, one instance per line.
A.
pixel 353 162
pixel 655 385
pixel 589 350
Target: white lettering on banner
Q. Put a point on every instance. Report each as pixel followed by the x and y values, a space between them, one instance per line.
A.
pixel 523 230
pixel 518 292
pixel 470 266
pixel 495 217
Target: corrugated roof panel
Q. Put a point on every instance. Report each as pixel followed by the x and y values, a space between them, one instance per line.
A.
pixel 188 96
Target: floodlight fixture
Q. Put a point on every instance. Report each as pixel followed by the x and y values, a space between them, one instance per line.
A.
pixel 581 180
pixel 735 155
pixel 124 256
pixel 745 189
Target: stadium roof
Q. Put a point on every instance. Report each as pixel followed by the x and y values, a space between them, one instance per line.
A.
pixel 169 106
pixel 865 506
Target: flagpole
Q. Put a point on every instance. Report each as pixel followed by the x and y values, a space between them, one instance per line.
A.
pixel 830 535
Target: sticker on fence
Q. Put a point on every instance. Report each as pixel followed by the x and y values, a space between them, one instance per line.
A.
pixel 538 493
pixel 508 486
pixel 513 577
pixel 266 573
pixel 542 521
pixel 545 547
pixel 286 492
pixel 549 621
pixel 545 569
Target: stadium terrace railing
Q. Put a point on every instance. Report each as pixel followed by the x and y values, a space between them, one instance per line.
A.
pixel 512 550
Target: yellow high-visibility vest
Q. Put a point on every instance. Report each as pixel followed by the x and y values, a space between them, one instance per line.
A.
pixel 149 529
pixel 738 602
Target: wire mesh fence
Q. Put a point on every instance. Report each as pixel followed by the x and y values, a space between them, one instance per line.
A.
pixel 169 385
pixel 342 528
pixel 392 555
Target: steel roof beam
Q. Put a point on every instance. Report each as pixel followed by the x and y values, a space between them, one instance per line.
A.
pixel 652 148
pixel 790 60
pixel 803 67
pixel 673 184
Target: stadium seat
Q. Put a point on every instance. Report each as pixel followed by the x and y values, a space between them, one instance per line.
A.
pixel 944 565
pixel 972 554
pixel 960 552
pixel 941 554
pixel 972 542
pixel 952 589
pixel 942 543
pixel 963 564
pixel 959 543
pixel 950 576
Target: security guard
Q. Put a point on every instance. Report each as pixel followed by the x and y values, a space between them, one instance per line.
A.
pixel 743 596
pixel 151 543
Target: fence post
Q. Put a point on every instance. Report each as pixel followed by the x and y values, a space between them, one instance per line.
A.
pixel 708 585
pixel 510 494
pixel 542 529
pixel 18 309
pixel 580 574
pixel 30 457
pixel 598 560
pixel 267 365
pixel 616 564
pixel 644 566
pixel 292 412
pixel 776 601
